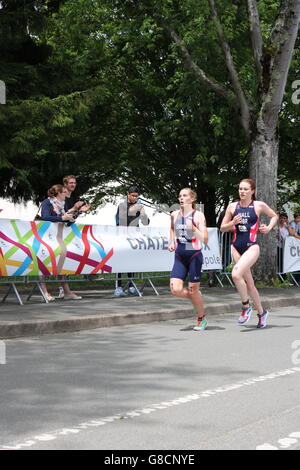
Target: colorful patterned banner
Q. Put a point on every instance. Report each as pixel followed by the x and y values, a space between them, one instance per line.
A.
pixel 45 248
pixel 35 248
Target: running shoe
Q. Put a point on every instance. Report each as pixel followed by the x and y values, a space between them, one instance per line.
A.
pixel 72 296
pixel 133 291
pixel 200 325
pixel 119 292
pixel 262 319
pixel 245 315
pixel 49 297
pixel 61 293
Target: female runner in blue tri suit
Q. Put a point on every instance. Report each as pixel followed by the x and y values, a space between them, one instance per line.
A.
pixel 242 218
pixel 188 232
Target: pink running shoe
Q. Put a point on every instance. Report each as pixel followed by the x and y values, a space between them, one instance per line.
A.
pixel 262 319
pixel 245 315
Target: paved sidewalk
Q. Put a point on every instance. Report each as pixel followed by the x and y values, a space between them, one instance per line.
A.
pixel 99 309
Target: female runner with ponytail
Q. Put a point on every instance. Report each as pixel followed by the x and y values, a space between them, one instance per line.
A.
pixel 188 232
pixel 242 218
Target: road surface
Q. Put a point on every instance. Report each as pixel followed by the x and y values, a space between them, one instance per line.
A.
pixel 155 386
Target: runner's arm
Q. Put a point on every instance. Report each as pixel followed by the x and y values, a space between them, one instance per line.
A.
pixel 200 228
pixel 172 233
pixel 228 222
pixel 265 209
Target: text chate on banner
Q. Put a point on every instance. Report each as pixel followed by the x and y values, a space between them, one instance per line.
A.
pixel 45 248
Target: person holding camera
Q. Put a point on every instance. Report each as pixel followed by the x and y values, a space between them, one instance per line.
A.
pixel 71 205
pixel 53 210
pixel 129 214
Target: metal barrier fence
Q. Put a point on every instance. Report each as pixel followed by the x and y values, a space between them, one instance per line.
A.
pixel 12 288
pixel 222 276
pixel 142 278
pixel 225 251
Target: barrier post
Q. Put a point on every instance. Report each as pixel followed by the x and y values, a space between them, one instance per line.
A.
pixel 225 251
pixel 12 288
pixel 37 285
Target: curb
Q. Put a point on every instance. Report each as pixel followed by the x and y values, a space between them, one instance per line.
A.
pixel 25 328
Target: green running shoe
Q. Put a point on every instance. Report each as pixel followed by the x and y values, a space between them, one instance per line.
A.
pixel 200 325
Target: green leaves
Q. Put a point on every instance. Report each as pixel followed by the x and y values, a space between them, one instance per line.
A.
pixel 103 93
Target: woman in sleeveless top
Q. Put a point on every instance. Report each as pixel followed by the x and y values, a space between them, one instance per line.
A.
pixel 242 218
pixel 188 232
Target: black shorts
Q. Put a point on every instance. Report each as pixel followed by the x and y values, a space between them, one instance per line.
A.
pixel 187 262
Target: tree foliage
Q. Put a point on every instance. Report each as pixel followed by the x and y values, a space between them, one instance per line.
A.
pixel 104 93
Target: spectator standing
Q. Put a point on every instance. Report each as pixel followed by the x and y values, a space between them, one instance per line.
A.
pixel 295 232
pixel 53 210
pixel 73 206
pixel 284 230
pixel 70 184
pixel 295 225
pixel 129 214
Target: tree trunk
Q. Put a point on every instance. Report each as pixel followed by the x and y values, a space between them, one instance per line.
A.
pixel 272 63
pixel 263 170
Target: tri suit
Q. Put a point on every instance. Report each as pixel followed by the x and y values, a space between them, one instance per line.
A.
pixel 245 233
pixel 188 254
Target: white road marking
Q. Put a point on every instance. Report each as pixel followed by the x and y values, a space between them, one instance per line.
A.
pixel 94 423
pixel 285 443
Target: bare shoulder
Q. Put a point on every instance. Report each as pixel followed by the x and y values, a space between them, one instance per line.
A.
pixel 174 215
pixel 231 207
pixel 200 217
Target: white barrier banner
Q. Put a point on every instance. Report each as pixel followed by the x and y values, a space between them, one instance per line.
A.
pixel 291 255
pixel 45 248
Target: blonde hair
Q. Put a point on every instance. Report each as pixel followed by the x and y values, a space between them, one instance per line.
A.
pixel 67 178
pixel 193 194
pixel 55 189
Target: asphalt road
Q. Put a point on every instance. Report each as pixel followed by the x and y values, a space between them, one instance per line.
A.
pixel 155 386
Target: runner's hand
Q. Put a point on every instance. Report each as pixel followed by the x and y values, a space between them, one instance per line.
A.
pixel 263 228
pixel 237 219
